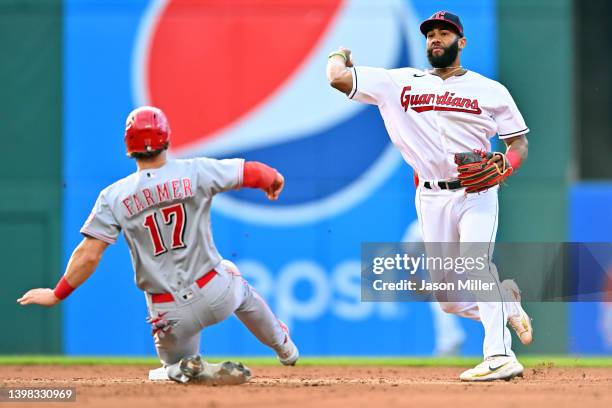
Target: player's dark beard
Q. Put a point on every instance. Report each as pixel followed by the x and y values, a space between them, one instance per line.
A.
pixel 447 57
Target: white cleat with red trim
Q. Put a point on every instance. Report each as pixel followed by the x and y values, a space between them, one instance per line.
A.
pixel 288 353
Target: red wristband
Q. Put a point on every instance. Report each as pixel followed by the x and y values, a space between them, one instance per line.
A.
pixel 514 159
pixel 258 175
pixel 62 289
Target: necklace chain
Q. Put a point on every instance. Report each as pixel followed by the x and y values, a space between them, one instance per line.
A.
pixel 449 74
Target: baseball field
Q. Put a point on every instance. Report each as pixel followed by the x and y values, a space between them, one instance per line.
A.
pixel 549 381
pixel 319 148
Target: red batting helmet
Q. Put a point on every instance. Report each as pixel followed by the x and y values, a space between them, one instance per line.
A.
pixel 146 131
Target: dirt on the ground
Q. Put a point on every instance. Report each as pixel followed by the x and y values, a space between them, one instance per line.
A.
pixel 344 387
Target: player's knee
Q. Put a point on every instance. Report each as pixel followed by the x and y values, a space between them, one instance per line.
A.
pixel 230 267
pixel 449 307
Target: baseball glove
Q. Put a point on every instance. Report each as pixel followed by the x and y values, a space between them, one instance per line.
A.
pixel 476 175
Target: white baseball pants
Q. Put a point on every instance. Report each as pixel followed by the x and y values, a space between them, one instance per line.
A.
pixel 454 216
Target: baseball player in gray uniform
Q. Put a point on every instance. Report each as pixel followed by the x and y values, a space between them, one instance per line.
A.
pixel 163 210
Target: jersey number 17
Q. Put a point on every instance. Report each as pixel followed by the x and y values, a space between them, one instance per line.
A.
pixel 171 214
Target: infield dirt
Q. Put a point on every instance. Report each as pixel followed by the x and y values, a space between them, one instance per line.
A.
pixel 127 386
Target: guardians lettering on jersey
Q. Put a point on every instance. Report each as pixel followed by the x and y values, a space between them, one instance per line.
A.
pixel 446 102
pixel 147 197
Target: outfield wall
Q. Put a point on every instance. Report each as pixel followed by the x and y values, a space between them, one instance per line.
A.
pixel 30 170
pixel 591 221
pixel 539 74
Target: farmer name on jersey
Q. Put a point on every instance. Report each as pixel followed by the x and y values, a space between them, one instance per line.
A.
pixel 160 193
pixel 446 102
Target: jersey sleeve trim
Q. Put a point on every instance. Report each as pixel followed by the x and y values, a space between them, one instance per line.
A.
pixel 517 133
pixel 240 174
pixel 101 237
pixel 354 91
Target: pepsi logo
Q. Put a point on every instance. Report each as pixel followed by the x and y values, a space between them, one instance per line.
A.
pixel 247 79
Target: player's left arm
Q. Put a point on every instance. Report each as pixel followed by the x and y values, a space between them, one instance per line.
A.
pixel 517 150
pixel 511 128
pixel 81 266
pixel 264 177
pixel 227 174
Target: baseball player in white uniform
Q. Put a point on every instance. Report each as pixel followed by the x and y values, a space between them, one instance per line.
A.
pixel 163 210
pixel 430 116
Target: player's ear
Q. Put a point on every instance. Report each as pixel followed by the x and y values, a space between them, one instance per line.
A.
pixel 462 43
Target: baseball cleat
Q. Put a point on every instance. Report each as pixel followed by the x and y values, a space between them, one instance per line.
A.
pixel 494 368
pixel 227 373
pixel 520 321
pixel 158 374
pixel 288 353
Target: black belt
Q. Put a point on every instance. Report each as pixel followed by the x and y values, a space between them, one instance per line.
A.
pixel 445 185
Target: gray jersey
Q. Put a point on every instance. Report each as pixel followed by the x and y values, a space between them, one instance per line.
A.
pixel 164 214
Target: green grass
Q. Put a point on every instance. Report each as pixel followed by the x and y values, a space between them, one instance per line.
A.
pixel 527 361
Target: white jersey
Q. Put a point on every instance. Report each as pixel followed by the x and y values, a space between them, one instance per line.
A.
pixel 430 119
pixel 164 214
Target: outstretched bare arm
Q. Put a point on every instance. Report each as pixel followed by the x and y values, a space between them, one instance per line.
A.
pixel 82 264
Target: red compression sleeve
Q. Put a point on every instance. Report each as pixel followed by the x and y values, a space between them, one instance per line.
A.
pixel 63 289
pixel 514 159
pixel 258 175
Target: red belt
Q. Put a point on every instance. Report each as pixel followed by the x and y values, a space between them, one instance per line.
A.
pixel 167 297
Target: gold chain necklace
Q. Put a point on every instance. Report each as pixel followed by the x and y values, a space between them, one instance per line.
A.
pixel 449 74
